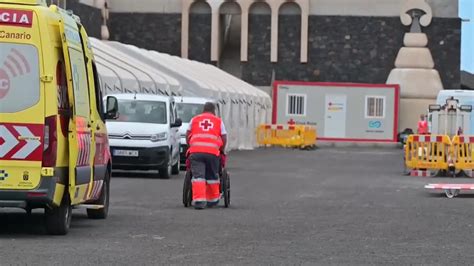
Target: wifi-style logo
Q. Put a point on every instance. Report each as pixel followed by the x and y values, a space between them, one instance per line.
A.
pixel 14 66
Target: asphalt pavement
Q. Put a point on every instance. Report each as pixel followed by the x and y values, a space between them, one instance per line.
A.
pixel 327 206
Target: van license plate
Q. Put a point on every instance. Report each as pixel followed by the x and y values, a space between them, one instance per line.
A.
pixel 126 153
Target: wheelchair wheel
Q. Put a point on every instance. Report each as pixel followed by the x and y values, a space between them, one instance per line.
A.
pixel 187 190
pixel 226 188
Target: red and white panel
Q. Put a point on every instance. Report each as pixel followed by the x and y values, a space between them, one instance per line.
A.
pixel 466 139
pixel 422 173
pixel 427 138
pixel 21 142
pixel 450 186
pixel 96 189
pixel 280 127
pixel 84 144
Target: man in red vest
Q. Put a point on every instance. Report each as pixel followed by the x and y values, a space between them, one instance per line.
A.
pixel 207 138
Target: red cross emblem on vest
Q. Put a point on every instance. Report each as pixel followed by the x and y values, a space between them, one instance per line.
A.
pixel 206 124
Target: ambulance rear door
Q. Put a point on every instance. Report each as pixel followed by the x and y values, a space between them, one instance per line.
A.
pixel 80 142
pixel 22 114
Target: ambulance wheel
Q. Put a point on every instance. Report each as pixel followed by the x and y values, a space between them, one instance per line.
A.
pixel 187 189
pixel 58 219
pixel 177 167
pixel 226 187
pixel 103 200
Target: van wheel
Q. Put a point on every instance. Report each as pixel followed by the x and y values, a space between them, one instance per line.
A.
pixel 58 219
pixel 177 166
pixel 165 173
pixel 103 200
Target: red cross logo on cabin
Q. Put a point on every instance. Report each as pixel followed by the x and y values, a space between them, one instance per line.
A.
pixel 206 125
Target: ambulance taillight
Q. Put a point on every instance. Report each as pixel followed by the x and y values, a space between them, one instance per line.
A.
pixel 50 142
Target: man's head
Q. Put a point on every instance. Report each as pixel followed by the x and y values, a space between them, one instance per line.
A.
pixel 209 108
pixel 422 117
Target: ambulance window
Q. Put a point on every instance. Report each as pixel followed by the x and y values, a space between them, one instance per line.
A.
pixel 80 86
pixel 19 77
pixel 98 92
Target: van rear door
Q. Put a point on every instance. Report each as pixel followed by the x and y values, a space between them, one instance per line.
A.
pixel 21 99
pixel 80 136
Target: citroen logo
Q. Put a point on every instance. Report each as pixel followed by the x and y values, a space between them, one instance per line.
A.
pixel 127 136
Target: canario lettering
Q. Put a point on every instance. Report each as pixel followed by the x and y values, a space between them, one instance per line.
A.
pixel 12 35
pixel 16 17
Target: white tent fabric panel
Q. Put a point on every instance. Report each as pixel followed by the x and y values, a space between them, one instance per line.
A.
pixel 109 80
pixel 149 82
pixel 158 76
pixel 126 69
pixel 128 82
pixel 188 85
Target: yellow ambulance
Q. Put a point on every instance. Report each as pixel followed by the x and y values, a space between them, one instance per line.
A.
pixel 54 151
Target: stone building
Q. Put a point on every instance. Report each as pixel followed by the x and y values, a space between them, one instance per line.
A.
pixel 363 41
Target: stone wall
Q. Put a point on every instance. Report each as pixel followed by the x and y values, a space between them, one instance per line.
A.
pixel 199 37
pixel 160 32
pixel 91 17
pixel 347 49
pixel 341 48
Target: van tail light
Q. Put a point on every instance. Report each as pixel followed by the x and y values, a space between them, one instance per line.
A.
pixel 50 142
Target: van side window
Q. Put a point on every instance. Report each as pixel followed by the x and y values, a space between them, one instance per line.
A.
pixel 98 92
pixel 80 84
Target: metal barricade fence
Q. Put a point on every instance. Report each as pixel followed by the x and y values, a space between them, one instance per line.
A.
pixel 428 152
pixel 286 135
pixel 463 152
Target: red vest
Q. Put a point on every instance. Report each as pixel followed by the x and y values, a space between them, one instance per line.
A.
pixel 205 134
pixel 422 127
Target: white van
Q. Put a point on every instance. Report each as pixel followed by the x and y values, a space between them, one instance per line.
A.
pixel 145 135
pixel 187 108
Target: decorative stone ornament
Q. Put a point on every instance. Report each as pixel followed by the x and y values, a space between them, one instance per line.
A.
pixel 104 30
pixel 414 67
pixel 409 5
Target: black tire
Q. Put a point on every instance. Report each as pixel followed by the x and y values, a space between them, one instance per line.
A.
pixel 177 167
pixel 226 187
pixel 165 172
pixel 58 219
pixel 187 190
pixel 103 200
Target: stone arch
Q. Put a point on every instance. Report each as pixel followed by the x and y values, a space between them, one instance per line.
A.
pixel 260 7
pixel 230 37
pixel 199 30
pixel 289 31
pixel 290 7
pixel 200 7
pixel 260 30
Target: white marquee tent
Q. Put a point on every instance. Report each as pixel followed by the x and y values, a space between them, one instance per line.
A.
pixel 128 69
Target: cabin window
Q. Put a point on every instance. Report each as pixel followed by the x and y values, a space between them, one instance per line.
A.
pixel 296 105
pixel 375 107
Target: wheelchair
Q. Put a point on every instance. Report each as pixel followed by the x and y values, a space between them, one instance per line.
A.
pixel 224 178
